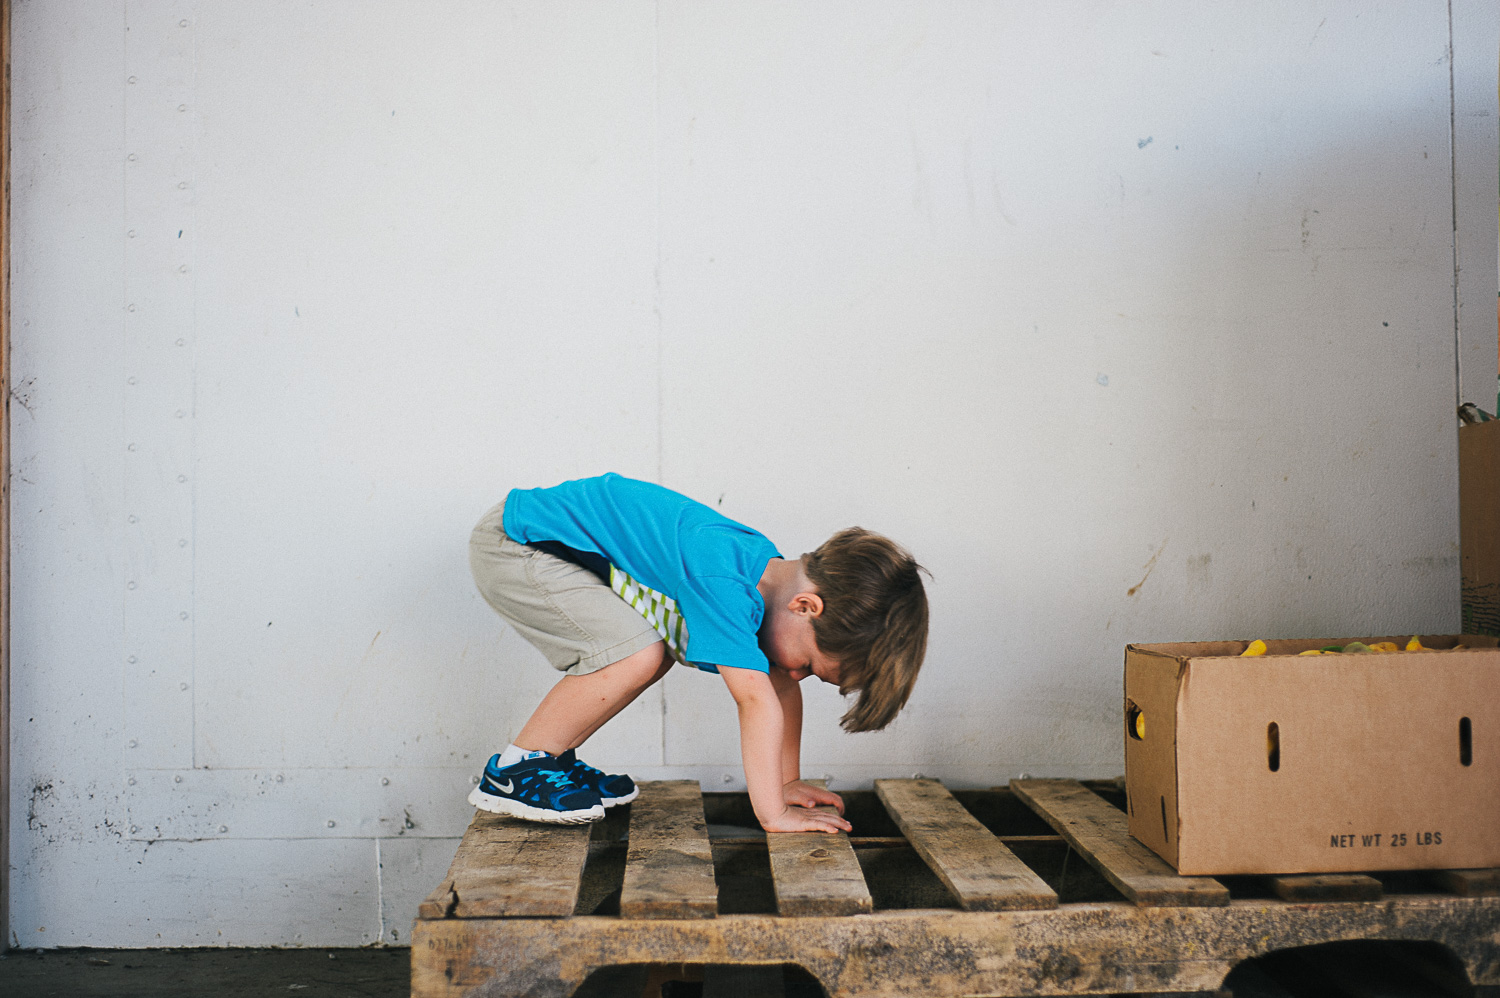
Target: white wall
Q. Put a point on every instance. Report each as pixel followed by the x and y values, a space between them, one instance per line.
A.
pixel 1136 322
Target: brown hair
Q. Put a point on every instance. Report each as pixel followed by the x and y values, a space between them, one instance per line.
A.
pixel 874 621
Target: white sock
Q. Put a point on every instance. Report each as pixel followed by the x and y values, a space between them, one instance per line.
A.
pixel 514 753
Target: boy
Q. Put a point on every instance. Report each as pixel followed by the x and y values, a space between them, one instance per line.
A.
pixel 614 580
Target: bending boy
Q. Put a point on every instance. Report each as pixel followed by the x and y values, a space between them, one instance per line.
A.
pixel 614 580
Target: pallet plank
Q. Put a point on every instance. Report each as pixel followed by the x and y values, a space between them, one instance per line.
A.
pixel 977 868
pixel 1470 883
pixel 817 874
pixel 1326 887
pixel 508 868
pixel 669 867
pixel 1098 832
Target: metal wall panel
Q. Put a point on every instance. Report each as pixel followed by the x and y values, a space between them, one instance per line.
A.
pixel 1133 323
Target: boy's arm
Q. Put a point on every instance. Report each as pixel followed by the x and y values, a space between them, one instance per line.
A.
pixel 793 790
pixel 789 694
pixel 762 729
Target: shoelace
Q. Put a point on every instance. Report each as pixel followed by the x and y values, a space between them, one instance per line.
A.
pixel 558 778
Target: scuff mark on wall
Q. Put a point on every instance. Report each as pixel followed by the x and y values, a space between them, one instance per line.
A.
pixel 1150 565
pixel 41 793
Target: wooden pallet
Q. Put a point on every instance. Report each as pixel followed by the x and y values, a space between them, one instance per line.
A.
pixel 946 893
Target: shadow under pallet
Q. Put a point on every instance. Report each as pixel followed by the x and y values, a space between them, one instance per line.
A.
pixel 1026 890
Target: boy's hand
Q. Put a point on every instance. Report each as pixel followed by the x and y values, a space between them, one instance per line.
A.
pixel 799 794
pixel 796 819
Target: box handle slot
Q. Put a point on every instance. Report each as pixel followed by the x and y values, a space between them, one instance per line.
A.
pixel 1273 745
pixel 1465 742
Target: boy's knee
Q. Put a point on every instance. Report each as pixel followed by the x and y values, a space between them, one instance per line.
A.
pixel 650 663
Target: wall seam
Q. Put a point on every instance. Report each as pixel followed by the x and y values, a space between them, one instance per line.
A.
pixel 656 308
pixel 1458 363
pixel 379 892
pixel 192 455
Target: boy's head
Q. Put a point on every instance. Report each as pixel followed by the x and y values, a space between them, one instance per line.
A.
pixel 874 621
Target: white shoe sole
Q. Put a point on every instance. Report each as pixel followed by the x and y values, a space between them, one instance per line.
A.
pixel 614 801
pixel 514 808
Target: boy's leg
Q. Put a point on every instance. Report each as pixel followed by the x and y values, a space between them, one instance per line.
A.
pixel 579 705
pixel 611 654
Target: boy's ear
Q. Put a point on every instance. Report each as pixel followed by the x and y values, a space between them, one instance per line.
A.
pixel 809 604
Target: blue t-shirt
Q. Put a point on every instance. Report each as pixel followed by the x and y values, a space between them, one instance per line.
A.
pixel 702 559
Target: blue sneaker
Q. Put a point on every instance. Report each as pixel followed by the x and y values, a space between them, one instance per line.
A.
pixel 612 789
pixel 538 789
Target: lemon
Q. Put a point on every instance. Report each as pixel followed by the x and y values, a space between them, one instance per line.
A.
pixel 1257 647
pixel 1414 644
pixel 1140 726
pixel 1384 646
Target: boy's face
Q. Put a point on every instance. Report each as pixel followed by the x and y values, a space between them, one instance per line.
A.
pixel 788 640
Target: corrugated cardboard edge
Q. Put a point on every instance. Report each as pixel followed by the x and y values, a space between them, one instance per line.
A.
pixel 1479 525
pixel 1151 684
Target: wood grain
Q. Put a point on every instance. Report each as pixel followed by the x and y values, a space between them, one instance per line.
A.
pixel 1470 883
pixel 508 868
pixel 1326 887
pixel 669 867
pixel 1098 832
pixel 1075 949
pixel 976 867
pixel 815 873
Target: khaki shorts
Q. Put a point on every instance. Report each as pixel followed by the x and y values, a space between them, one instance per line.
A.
pixel 567 611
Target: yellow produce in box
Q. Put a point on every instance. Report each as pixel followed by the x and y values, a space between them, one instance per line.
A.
pixel 1257 647
pixel 1414 644
pixel 1384 646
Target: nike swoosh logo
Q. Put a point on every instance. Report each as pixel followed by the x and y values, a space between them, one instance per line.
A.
pixel 506 787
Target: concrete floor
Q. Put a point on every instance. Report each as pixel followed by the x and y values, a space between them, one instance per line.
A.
pixel 190 973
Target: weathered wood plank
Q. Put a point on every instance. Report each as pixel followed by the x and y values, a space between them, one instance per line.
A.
pixel 508 868
pixel 1470 883
pixel 1071 949
pixel 669 867
pixel 815 873
pixel 1098 833
pixel 1326 887
pixel 438 904
pixel 976 867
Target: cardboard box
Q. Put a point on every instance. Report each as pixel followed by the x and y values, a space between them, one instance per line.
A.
pixel 1315 764
pixel 1479 525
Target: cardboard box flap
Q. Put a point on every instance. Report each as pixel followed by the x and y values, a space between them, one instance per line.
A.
pixel 1185 651
pixel 1151 680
